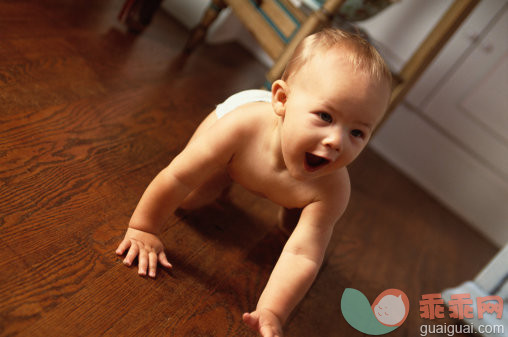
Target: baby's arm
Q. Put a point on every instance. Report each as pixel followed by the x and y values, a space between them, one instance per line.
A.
pixel 297 266
pixel 159 200
pixel 192 167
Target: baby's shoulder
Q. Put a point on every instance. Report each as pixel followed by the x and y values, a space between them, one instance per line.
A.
pixel 332 196
pixel 335 188
pixel 250 117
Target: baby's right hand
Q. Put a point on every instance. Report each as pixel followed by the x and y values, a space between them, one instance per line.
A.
pixel 147 247
pixel 265 322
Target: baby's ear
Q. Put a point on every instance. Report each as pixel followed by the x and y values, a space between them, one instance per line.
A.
pixel 279 97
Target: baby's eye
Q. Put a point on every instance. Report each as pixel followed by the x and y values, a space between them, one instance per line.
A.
pixel 325 116
pixel 357 133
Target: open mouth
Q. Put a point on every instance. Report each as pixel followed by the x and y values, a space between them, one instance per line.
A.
pixel 313 162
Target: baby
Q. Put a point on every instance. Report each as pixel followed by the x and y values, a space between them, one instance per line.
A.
pixel 290 145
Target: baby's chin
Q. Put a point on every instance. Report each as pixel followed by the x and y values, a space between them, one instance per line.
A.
pixel 298 172
pixel 299 175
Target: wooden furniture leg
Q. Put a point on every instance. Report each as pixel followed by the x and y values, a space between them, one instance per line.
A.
pixel 137 14
pixel 429 48
pixel 198 33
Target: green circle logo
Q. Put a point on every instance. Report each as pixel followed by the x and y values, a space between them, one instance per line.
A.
pixel 386 314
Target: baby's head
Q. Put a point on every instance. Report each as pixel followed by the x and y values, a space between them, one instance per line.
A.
pixel 359 53
pixel 332 95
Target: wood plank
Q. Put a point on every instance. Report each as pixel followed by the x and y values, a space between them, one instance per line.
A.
pixel 271 43
pixel 280 18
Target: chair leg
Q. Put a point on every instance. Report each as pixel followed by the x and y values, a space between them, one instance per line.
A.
pixel 137 14
pixel 198 33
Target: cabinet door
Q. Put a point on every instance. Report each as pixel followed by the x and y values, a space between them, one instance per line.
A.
pixel 453 137
pixel 472 106
pixel 475 27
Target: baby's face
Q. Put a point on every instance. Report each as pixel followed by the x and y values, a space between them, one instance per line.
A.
pixel 329 115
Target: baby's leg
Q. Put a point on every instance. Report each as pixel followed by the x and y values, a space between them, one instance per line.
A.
pixel 208 192
pixel 288 218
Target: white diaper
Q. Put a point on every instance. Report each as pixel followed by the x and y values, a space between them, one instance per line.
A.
pixel 241 98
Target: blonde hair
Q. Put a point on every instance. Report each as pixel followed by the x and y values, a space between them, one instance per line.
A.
pixel 359 53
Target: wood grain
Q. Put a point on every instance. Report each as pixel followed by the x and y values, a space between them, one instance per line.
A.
pixel 89 114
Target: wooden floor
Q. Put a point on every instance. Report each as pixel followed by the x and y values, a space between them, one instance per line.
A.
pixel 89 114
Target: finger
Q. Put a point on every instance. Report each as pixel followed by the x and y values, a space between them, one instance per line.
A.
pixel 250 320
pixel 152 264
pixel 270 331
pixel 164 260
pixel 266 331
pixel 131 255
pixel 123 246
pixel 143 262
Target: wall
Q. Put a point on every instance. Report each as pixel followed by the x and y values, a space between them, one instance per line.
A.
pixel 449 134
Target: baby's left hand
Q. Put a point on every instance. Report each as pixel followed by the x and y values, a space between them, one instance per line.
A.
pixel 265 322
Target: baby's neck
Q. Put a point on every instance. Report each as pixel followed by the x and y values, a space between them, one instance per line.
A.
pixel 275 148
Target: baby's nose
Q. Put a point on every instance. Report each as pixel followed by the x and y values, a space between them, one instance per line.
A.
pixel 334 142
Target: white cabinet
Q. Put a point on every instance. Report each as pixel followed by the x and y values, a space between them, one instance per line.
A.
pixel 451 133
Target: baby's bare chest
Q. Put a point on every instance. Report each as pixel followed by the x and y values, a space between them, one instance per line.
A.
pixel 259 177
